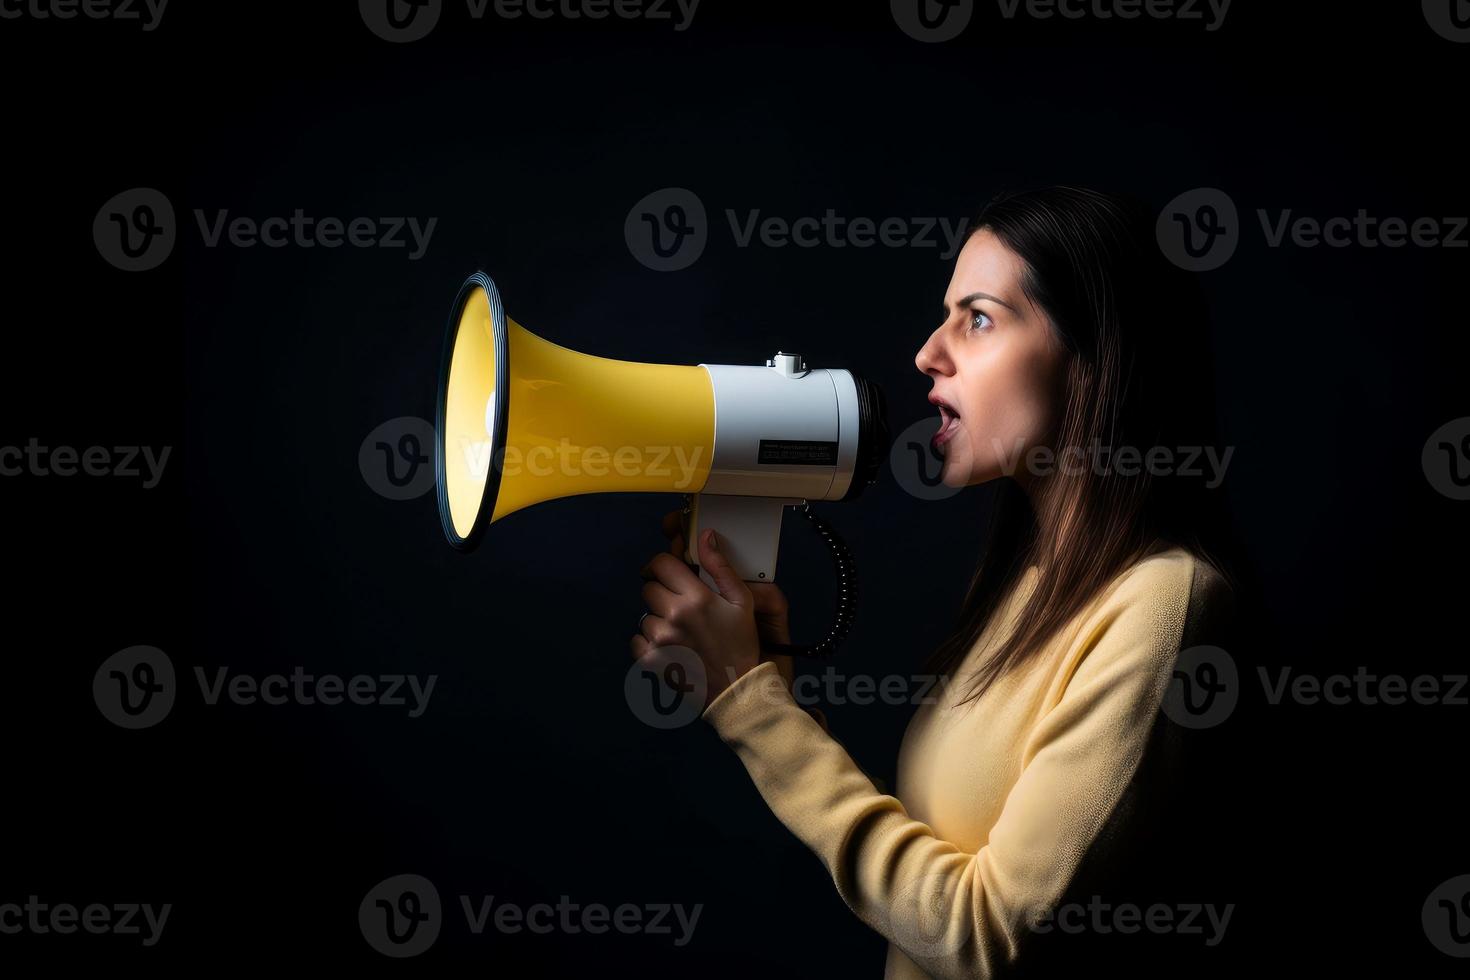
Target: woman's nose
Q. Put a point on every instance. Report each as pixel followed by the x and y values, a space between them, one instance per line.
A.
pixel 930 358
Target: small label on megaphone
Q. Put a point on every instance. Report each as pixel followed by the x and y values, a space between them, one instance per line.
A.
pixel 797 452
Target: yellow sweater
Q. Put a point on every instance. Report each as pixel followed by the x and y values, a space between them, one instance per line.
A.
pixel 998 800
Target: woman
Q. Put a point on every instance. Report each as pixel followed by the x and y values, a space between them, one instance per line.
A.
pixel 1067 352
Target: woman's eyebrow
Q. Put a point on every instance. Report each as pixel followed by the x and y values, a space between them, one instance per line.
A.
pixel 974 296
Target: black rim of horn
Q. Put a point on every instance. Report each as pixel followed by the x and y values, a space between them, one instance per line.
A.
pixel 502 394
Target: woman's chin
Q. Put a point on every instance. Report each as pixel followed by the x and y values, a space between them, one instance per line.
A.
pixel 964 468
pixel 955 472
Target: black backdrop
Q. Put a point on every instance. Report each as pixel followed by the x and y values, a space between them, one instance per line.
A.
pixel 265 548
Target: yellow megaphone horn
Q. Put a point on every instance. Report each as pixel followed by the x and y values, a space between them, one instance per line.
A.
pixel 522 420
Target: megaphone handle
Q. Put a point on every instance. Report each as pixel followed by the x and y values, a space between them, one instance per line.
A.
pixel 750 531
pixel 753 528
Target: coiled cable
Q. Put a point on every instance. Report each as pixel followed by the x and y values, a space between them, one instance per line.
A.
pixel 845 567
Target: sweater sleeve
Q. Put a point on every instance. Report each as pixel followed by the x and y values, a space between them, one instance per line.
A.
pixel 952 912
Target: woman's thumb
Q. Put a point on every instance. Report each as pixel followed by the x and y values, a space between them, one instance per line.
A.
pixel 713 560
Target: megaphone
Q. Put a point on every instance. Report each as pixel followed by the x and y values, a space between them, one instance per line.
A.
pixel 522 420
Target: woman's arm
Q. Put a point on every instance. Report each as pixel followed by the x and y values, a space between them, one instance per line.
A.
pixel 953 912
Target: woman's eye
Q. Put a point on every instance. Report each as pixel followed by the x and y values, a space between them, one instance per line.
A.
pixel 979 321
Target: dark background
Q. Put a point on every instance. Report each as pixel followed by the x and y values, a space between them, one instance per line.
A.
pixel 528 778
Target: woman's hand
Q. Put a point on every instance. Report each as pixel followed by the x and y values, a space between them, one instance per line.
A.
pixel 719 627
pixel 772 612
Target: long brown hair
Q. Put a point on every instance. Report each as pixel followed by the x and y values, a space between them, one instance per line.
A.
pixel 1139 376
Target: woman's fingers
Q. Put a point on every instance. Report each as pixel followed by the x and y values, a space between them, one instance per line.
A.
pixel 769 599
pixel 657 631
pixel 683 611
pixel 673 528
pixel 714 561
pixel 676 576
pixel 639 645
pixel 659 600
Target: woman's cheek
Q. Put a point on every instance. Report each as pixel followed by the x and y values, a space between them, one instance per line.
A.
pixel 987 429
pixel 1007 448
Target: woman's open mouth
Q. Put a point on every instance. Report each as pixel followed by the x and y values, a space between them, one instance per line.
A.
pixel 949 423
